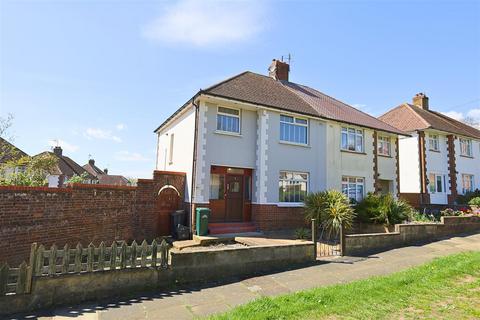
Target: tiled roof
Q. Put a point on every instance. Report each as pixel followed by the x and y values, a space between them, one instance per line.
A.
pixel 93 170
pixel 112 180
pixel 67 166
pixel 265 91
pixel 410 118
pixel 289 96
pixel 9 152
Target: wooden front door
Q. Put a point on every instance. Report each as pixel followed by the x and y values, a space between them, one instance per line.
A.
pixel 167 202
pixel 234 198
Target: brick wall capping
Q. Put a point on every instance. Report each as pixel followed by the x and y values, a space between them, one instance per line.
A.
pixel 99 186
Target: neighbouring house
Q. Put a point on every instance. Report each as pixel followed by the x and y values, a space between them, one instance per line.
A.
pixel 441 158
pixel 252 146
pixel 9 152
pixel 65 169
pixel 103 176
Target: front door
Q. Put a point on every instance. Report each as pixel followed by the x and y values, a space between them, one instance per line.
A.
pixel 234 197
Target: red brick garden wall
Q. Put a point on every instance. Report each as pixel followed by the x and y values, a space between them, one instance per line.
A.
pixel 78 213
pixel 272 217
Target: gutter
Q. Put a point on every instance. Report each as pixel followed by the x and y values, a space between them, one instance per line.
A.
pixel 194 165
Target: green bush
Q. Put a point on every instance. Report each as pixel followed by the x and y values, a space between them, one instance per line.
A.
pixel 474 201
pixel 383 209
pixel 331 208
pixel 465 199
pixel 302 233
pixel 419 217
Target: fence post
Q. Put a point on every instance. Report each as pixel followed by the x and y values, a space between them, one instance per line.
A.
pixel 314 238
pixel 342 239
pixel 31 267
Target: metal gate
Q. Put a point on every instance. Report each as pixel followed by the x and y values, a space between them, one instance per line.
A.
pixel 327 243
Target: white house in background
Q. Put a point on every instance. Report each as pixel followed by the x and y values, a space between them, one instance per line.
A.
pixel 252 146
pixel 440 160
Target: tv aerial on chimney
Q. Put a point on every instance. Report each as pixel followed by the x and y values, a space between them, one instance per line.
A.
pixel 288 58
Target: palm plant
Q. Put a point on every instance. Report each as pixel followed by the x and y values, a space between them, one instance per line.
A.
pixel 331 208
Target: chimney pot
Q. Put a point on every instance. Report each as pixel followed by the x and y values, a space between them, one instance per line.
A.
pixel 105 170
pixel 58 151
pixel 420 100
pixel 279 70
pixel 91 162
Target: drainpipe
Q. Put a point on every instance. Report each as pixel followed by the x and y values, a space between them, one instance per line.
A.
pixel 194 167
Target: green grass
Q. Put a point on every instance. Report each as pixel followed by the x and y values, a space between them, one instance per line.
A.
pixel 446 288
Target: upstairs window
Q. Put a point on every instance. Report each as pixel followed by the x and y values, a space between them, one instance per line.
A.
pixel 384 146
pixel 293 186
pixel 293 129
pixel 434 142
pixel 352 139
pixel 468 184
pixel 228 120
pixel 466 147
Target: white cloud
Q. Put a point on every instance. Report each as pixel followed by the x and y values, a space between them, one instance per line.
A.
pixel 472 116
pixel 475 114
pixel 120 126
pixel 65 145
pixel 130 156
pixel 359 106
pixel 203 23
pixel 96 133
pixel 454 114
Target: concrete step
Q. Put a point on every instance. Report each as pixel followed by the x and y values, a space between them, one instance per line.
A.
pixel 239 229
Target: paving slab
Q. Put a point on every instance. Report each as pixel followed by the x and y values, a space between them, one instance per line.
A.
pixel 196 302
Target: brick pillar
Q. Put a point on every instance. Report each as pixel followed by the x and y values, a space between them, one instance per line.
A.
pixel 422 151
pixel 452 169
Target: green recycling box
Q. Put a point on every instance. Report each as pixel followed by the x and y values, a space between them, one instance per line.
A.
pixel 201 218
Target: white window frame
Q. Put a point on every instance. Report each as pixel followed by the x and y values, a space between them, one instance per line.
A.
pixel 434 142
pixel 357 181
pixel 292 181
pixel 295 123
pixel 359 133
pixel 466 151
pixel 384 143
pixel 432 185
pixel 224 114
pixel 472 182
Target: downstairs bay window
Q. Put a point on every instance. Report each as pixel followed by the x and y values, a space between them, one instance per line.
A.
pixel 468 184
pixel 353 188
pixel 292 186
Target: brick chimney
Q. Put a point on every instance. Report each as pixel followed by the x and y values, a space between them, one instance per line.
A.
pixel 420 100
pixel 279 70
pixel 91 162
pixel 58 151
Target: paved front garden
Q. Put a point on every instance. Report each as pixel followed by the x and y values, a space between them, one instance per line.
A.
pixel 447 288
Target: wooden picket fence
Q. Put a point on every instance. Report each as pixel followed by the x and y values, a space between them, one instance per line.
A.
pixel 54 261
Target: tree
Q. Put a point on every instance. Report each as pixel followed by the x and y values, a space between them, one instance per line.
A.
pixel 17 168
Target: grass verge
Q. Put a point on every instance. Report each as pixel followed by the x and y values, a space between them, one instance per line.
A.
pixel 446 288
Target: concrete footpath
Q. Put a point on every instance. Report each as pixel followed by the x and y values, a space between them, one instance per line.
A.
pixel 204 301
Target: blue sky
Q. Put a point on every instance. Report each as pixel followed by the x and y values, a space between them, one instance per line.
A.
pixel 100 76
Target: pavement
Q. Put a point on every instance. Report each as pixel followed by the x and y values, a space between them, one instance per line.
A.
pixel 210 299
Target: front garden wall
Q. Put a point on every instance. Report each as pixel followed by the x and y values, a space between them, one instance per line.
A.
pixel 408 234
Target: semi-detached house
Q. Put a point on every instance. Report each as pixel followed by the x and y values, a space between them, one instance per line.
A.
pixel 253 145
pixel 441 158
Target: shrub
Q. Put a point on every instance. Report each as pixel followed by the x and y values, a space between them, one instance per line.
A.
pixel 302 233
pixel 419 217
pixel 331 208
pixel 450 213
pixel 465 199
pixel 474 201
pixel 383 209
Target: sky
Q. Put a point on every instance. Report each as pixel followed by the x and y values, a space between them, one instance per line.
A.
pixel 98 76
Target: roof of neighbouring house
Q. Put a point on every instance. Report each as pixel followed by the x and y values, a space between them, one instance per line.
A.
pixel 93 169
pixel 262 90
pixel 67 166
pixel 409 118
pixel 9 152
pixel 113 180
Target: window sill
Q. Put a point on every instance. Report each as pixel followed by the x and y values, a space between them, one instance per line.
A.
pixel 227 133
pixel 385 156
pixel 466 156
pixel 354 152
pixel 290 204
pixel 294 144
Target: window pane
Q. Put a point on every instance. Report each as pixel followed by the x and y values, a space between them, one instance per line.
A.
pixel 344 140
pixel 216 186
pixel 228 111
pixel 286 119
pixel 301 121
pixel 439 184
pixel 248 195
pixel 359 143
